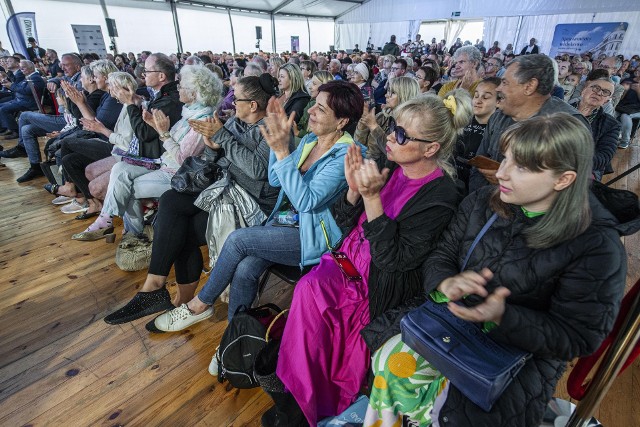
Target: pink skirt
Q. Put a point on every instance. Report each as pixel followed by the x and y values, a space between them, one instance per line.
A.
pixel 323 359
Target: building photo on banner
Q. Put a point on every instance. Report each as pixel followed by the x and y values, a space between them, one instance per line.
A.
pixel 601 38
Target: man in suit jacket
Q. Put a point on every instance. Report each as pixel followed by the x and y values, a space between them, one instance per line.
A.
pixel 35 51
pixel 23 98
pixel 532 49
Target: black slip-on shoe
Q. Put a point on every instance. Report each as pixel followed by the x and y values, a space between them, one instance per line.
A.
pixel 141 305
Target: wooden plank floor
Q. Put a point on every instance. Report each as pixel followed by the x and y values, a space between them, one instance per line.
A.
pixel 61 365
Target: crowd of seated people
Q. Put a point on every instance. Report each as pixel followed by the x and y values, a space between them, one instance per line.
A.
pixel 366 156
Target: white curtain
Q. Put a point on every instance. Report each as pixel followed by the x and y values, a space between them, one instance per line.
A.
pixel 347 35
pixel 381 32
pixel 542 27
pixel 452 30
pixel 502 29
pixel 414 29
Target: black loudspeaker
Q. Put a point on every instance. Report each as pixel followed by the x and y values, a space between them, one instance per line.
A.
pixel 111 27
pixel 331 48
pixel 259 33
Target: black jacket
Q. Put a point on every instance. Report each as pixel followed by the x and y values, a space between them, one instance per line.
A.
pixel 31 53
pixel 398 247
pixel 167 101
pixel 563 301
pixel 297 102
pixel 605 130
pixel 499 122
pixel 533 51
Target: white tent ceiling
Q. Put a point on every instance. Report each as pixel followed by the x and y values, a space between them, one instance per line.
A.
pixel 310 8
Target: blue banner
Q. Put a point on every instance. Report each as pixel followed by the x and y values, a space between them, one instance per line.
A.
pixel 20 27
pixel 604 38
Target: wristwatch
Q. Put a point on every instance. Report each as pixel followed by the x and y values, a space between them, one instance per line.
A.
pixel 165 135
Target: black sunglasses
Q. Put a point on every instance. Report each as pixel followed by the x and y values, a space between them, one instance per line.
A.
pixel 401 134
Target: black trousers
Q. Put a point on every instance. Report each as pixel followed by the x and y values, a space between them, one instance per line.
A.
pixel 179 231
pixel 77 154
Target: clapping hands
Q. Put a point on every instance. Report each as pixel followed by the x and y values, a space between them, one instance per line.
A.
pixel 471 282
pixel 277 128
pixel 363 177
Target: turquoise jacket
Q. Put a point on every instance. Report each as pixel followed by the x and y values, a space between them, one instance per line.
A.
pixel 313 194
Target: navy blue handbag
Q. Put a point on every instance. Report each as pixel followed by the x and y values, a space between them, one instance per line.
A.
pixel 475 364
pixel 478 366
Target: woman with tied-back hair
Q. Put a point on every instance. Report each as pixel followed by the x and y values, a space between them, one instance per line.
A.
pixel 546 277
pixel 392 219
pixel 372 128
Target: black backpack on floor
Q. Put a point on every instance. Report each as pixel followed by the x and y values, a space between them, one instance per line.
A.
pixel 242 341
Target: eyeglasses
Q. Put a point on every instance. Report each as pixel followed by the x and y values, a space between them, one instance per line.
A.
pixel 490 64
pixel 234 100
pixel 396 68
pixel 600 91
pixel 145 72
pixel 401 134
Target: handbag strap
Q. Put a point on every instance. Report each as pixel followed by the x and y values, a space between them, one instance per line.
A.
pixel 273 322
pixel 477 239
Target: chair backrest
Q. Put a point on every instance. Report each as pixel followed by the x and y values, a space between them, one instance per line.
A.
pixel 36 96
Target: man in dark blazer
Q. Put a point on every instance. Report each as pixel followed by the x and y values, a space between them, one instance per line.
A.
pixel 23 98
pixel 35 51
pixel 532 49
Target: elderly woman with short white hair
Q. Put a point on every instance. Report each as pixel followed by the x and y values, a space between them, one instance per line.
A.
pixel 200 91
pixel 360 77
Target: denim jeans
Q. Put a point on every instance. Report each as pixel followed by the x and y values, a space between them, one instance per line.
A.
pixel 245 255
pixel 127 185
pixel 32 125
pixel 8 111
pixel 627 124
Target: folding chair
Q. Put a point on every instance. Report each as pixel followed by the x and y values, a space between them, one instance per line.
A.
pixel 36 96
pixel 289 274
pixel 617 352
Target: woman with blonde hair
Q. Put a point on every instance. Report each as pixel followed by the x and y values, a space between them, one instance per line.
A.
pixel 392 218
pixel 293 92
pixel 275 63
pixel 546 277
pixel 372 128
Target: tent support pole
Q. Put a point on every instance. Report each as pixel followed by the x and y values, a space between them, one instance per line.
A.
pixel 176 25
pixel 309 33
pixel 233 36
pixel 105 12
pixel 273 33
pixel 515 42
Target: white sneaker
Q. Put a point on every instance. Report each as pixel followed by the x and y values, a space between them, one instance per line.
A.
pixel 180 318
pixel 213 366
pixel 75 207
pixel 62 200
